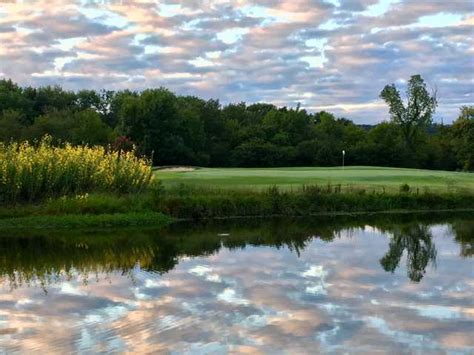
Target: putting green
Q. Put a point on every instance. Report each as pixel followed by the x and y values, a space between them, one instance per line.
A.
pixel 372 178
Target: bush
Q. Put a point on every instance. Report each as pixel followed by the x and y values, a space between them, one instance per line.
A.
pixel 405 188
pixel 34 172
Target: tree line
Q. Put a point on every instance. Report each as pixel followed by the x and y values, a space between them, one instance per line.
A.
pixel 186 130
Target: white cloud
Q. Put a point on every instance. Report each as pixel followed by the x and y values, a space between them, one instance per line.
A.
pixel 229 296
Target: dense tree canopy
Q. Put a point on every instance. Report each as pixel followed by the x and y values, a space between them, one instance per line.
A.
pixel 190 131
pixel 463 138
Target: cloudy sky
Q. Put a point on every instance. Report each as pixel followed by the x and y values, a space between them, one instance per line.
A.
pixel 333 55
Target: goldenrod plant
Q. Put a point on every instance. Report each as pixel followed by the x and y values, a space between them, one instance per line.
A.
pixel 31 172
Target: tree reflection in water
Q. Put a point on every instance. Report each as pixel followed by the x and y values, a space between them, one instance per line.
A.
pixel 464 233
pixel 418 243
pixel 42 258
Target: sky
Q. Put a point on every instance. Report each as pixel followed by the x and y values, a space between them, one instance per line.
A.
pixel 333 55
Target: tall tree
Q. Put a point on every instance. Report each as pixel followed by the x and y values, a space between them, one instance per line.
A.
pixel 417 114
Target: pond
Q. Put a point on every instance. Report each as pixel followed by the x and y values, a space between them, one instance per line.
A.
pixel 332 285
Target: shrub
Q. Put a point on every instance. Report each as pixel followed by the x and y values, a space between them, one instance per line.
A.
pixel 405 188
pixel 34 172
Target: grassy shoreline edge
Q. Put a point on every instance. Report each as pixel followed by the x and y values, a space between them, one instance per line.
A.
pixel 159 220
pixel 87 221
pixel 160 207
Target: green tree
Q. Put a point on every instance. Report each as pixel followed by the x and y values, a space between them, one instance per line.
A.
pixel 56 123
pixel 463 138
pixel 77 127
pixel 102 102
pixel 385 146
pixel 13 97
pixel 11 125
pixel 255 153
pixel 189 130
pixel 151 120
pixel 439 149
pixel 331 136
pixel 192 132
pixel 417 114
pixel 49 98
pixel 87 127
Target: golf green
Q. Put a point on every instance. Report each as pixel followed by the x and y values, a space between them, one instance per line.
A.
pixel 375 178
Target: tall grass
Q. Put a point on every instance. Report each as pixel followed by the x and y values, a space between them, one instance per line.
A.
pixel 186 201
pixel 196 203
pixel 31 172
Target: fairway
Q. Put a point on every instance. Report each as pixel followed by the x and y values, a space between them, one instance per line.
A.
pixel 371 178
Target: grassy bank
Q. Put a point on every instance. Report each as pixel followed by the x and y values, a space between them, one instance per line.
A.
pixel 159 205
pixel 132 199
pixel 198 203
pixel 377 179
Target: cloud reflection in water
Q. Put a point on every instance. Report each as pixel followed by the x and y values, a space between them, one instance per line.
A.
pixel 192 293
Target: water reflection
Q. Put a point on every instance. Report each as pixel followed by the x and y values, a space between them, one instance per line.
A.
pixel 44 257
pixel 343 285
pixel 420 249
pixel 464 234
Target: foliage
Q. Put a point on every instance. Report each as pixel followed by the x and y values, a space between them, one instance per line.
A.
pixel 185 201
pixel 463 138
pixel 419 109
pixel 81 127
pixel 32 172
pixel 186 130
pixel 150 118
pixel 11 126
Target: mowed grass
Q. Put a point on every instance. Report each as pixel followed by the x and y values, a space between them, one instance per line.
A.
pixel 355 177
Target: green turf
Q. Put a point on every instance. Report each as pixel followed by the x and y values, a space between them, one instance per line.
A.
pixel 376 178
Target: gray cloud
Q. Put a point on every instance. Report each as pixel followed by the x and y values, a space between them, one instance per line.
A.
pixel 265 50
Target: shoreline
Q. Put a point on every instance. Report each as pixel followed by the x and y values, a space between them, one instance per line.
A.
pixel 160 206
pixel 159 220
pixel 86 221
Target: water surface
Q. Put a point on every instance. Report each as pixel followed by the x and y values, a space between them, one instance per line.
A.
pixel 325 285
